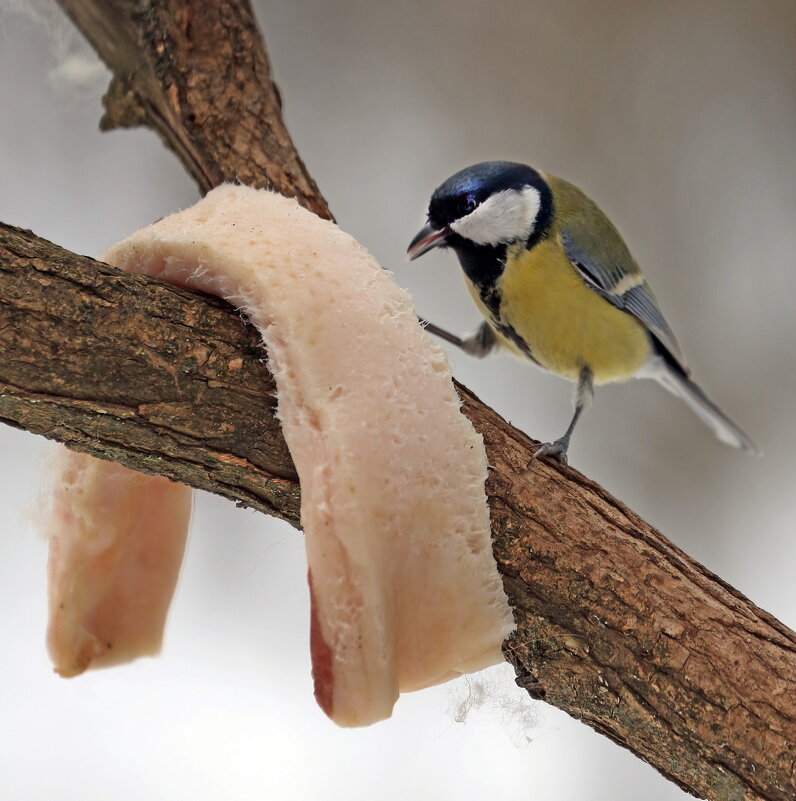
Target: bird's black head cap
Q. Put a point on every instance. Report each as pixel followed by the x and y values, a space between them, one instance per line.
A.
pixel 479 212
pixel 463 192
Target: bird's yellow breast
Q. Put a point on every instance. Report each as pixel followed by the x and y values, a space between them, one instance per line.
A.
pixel 565 324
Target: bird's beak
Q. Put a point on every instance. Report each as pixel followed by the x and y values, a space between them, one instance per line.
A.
pixel 427 238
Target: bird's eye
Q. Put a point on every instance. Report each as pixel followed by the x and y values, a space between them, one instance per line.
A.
pixel 469 204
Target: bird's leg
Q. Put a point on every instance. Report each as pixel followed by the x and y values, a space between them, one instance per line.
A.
pixel 479 344
pixel 584 393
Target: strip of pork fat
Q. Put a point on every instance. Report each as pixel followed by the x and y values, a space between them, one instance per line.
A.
pixel 405 592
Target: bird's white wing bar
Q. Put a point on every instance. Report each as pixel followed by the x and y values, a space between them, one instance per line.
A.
pixel 405 591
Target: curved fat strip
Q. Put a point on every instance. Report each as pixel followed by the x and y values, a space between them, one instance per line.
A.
pixel 405 591
pixel 117 539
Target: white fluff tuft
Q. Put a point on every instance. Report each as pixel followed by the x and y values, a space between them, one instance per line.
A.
pixel 505 217
pixel 77 66
pixel 81 70
pixel 493 695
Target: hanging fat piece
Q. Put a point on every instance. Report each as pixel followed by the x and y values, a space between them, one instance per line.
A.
pixel 117 539
pixel 404 588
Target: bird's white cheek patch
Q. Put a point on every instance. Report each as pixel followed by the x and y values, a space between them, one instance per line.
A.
pixel 505 217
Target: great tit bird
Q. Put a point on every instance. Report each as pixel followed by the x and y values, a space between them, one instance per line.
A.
pixel 557 285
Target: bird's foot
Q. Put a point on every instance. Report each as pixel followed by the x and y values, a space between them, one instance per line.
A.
pixel 555 450
pixel 481 343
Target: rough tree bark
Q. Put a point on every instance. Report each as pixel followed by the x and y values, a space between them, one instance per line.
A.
pixel 616 625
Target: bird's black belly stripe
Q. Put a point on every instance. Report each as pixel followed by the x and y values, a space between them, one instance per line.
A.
pixel 509 332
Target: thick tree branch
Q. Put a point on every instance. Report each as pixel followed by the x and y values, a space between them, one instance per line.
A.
pixel 615 624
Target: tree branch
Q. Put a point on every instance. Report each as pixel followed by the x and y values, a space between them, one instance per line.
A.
pixel 139 372
pixel 616 625
pixel 197 74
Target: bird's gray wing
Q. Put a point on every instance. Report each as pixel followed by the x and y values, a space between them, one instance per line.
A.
pixel 607 267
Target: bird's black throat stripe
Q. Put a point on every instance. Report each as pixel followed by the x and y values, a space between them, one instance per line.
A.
pixel 483 265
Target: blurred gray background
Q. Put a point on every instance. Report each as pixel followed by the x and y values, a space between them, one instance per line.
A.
pixel 678 118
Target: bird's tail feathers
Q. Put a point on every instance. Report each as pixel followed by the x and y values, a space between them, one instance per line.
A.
pixel 683 387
